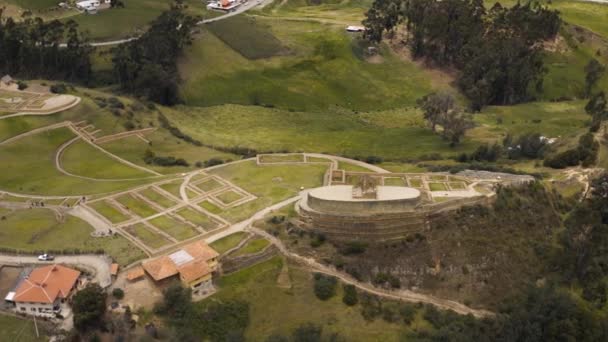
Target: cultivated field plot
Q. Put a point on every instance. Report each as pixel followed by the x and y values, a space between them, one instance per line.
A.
pixel 203 221
pixel 159 198
pixel 136 205
pixel 148 236
pixel 215 194
pixel 109 211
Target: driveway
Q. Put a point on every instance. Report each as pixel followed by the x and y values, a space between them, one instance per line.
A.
pixel 97 265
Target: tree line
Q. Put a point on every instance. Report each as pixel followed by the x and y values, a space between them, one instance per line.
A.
pixel 31 48
pixel 497 51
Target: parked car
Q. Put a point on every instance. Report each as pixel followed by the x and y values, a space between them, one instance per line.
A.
pixel 46 257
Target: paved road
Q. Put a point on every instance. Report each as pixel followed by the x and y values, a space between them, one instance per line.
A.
pixel 97 265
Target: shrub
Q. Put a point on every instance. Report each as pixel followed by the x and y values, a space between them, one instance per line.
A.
pixel 118 293
pixel 373 160
pixel 59 88
pixel 307 332
pixel 21 85
pixel 213 162
pixel 408 313
pixel 353 247
pixel 325 286
pixel 350 297
pixel 151 158
pixel 114 102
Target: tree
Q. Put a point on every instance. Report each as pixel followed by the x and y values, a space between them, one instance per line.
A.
pixel 118 293
pixel 350 295
pixel 597 105
pixel 308 332
pixel 89 306
pixel 455 124
pixel 593 72
pixel 436 107
pixel 117 4
pixel 325 286
pixel 176 302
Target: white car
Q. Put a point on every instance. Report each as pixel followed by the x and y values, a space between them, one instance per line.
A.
pixel 46 257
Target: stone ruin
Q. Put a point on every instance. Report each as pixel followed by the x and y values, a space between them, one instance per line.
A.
pixel 366 188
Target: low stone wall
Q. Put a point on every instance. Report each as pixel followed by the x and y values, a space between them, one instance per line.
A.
pixel 354 207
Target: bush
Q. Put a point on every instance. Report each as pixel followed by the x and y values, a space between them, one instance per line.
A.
pixel 114 102
pixel 151 158
pixel 408 313
pixel 118 293
pixel 350 297
pixel 21 85
pixel 59 88
pixel 307 332
pixel 325 286
pixel 353 247
pixel 373 160
pixel 213 162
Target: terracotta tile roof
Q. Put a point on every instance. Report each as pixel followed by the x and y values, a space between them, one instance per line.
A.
pixel 194 270
pixel 160 268
pixel 46 284
pixel 187 259
pixel 114 269
pixel 135 273
pixel 200 250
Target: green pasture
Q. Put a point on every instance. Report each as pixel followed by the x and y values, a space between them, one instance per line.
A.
pixel 209 185
pixel 253 246
pixel 271 184
pixel 148 236
pixel 34 4
pixel 19 329
pixel 158 198
pixel 229 197
pixel 198 218
pixel 210 207
pixel 38 229
pixel 172 187
pixel 317 73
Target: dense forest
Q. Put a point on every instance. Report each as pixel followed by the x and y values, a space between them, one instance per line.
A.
pixel 498 51
pixel 31 48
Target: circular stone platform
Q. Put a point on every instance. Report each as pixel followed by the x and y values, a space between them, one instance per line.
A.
pixel 338 199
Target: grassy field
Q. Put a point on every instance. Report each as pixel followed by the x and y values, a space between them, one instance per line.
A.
pixel 177 229
pixel 172 187
pixel 277 310
pixel 230 241
pixel 19 329
pixel 38 229
pixel 247 36
pixel 210 207
pixel 148 236
pixel 197 218
pixel 229 197
pixel 271 184
pixel 317 74
pixel 158 198
pixel 34 4
pixel 29 168
pixel 137 206
pixel 97 164
pixel 209 185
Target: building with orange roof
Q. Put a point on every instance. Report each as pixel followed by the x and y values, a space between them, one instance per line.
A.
pixel 194 264
pixel 114 269
pixel 44 289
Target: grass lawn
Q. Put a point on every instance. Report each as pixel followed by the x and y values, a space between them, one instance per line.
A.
pixel 416 183
pixel 209 185
pixel 437 187
pixel 197 218
pixel 230 241
pixel 276 310
pixel 173 227
pixel 82 159
pixel 271 184
pixel 108 211
pixel 19 329
pixel 34 4
pixel 229 196
pixel 147 236
pixel 29 168
pixel 158 198
pixel 589 15
pixel 136 206
pixel 210 207
pixel 38 229
pixel 457 185
pixel 253 246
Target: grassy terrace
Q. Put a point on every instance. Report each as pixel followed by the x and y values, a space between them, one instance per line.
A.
pixel 148 236
pixel 229 196
pixel 158 198
pixel 29 167
pixel 271 184
pixel 210 207
pixel 197 218
pixel 38 229
pixel 98 164
pixel 136 206
pixel 108 211
pixel 253 246
pixel 230 241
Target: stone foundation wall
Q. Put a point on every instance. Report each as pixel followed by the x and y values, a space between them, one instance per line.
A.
pixel 354 207
pixel 380 227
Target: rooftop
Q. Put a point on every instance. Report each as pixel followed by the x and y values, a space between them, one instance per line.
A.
pixel 188 262
pixel 46 284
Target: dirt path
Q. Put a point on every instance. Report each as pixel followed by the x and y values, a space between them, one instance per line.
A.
pixel 405 295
